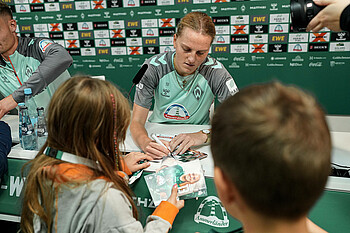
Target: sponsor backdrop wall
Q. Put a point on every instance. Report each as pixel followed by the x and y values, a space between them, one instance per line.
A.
pixel 254 41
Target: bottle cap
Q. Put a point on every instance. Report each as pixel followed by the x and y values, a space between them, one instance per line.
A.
pixel 28 91
pixel 21 105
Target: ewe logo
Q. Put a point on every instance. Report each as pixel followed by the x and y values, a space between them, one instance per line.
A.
pixel 212 213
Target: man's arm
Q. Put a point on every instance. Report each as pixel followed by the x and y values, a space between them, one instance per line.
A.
pixel 55 61
pixel 5 146
pixel 140 135
pixel 6 105
pixel 329 16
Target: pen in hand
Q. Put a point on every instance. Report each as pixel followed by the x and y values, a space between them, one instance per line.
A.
pixel 161 143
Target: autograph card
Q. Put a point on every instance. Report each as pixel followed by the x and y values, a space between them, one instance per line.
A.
pixel 191 155
pixel 188 176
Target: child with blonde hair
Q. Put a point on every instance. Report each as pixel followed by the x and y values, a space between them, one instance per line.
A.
pixel 76 183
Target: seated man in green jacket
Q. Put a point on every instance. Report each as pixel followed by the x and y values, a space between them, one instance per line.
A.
pixel 36 63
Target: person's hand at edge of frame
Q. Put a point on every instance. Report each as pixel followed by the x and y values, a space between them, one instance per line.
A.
pixel 6 105
pixel 329 16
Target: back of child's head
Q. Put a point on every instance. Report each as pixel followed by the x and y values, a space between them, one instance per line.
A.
pixel 83 116
pixel 86 117
pixel 273 142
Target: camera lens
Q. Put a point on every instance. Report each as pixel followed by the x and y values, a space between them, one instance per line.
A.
pixel 302 12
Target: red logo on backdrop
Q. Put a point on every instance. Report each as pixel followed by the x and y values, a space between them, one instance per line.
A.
pixel 72 43
pixel 166 23
pixel 319 37
pixel 239 29
pixel 55 27
pixel 117 33
pixel 98 4
pixel 258 48
pixel 135 51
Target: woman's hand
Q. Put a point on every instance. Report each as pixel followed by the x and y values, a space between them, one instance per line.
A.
pixel 132 161
pixel 155 150
pixel 185 140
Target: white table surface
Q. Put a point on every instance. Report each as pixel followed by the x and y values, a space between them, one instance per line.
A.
pixel 172 130
pixel 12 121
pixel 340 153
pixel 129 145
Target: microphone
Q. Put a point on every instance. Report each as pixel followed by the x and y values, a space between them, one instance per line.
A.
pixel 138 77
pixel 140 74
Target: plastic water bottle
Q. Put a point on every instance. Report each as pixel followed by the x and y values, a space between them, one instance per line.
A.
pixel 20 106
pixel 41 128
pixel 27 133
pixel 30 104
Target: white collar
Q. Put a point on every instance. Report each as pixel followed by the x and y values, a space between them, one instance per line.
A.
pixel 71 158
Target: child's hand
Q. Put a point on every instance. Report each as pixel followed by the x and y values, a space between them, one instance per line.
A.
pixel 173 198
pixel 132 161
